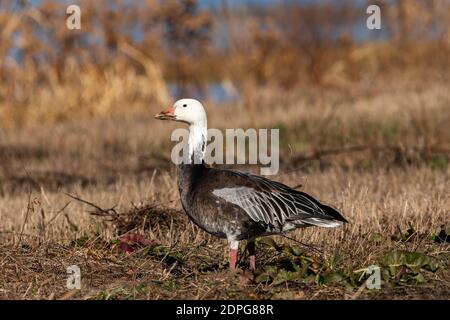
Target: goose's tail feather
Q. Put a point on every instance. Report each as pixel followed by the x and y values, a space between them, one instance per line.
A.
pixel 331 219
pixel 336 215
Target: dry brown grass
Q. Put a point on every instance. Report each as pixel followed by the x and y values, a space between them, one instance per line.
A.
pixel 364 127
pixel 402 179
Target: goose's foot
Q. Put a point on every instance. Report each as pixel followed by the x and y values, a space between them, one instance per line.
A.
pixel 251 256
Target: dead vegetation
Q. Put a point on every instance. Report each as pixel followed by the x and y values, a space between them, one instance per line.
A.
pixel 396 199
pixel 363 126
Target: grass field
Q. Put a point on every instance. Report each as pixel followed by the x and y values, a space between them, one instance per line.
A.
pixel 380 155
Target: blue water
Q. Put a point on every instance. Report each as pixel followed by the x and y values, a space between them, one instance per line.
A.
pixel 215 91
pixel 219 92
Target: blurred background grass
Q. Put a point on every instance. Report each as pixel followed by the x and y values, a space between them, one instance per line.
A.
pixel 130 56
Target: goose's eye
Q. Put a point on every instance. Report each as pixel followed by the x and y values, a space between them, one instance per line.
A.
pixel 184 105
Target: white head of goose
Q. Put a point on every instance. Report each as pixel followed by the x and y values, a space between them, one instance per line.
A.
pixel 237 205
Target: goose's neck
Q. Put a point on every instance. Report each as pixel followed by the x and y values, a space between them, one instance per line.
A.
pixel 197 142
pixel 190 170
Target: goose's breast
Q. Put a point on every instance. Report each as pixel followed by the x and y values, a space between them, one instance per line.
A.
pixel 219 217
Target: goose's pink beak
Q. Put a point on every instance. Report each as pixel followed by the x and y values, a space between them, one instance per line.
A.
pixel 168 114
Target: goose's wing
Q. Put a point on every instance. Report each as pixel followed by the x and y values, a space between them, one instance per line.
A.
pixel 276 204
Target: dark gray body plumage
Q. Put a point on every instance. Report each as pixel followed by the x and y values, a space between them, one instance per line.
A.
pixel 228 203
pixel 213 214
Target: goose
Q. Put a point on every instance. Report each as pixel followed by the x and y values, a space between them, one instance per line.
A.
pixel 237 205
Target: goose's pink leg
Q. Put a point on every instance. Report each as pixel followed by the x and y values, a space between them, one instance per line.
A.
pixel 233 258
pixel 234 246
pixel 251 255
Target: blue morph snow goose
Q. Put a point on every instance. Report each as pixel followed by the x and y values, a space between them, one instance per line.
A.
pixel 236 205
